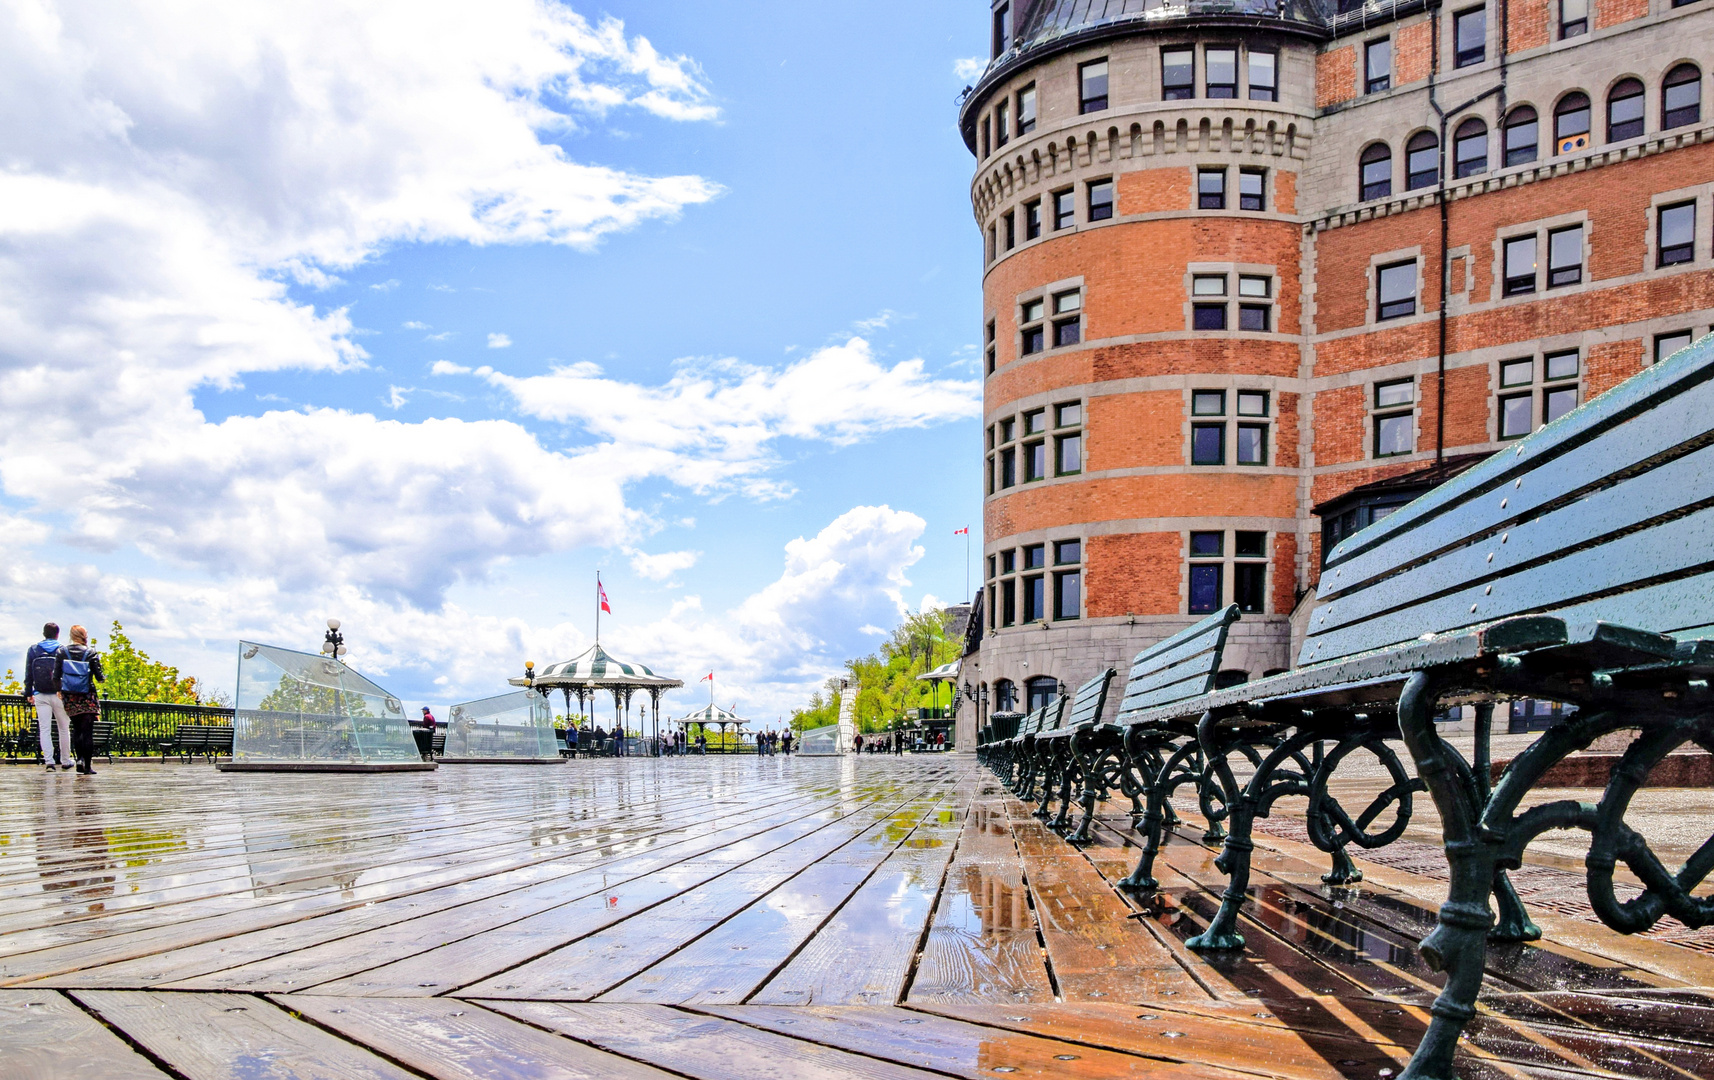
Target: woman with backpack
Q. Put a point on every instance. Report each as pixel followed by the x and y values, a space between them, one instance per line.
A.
pixel 81 671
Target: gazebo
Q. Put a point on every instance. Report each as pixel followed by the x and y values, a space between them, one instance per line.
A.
pixel 595 670
pixel 712 714
pixel 936 717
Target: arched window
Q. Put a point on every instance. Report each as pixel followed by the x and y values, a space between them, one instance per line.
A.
pixel 1470 148
pixel 1625 110
pixel 1522 135
pixel 1681 96
pixel 1375 172
pixel 1422 160
pixel 1040 691
pixel 1571 123
pixel 1005 696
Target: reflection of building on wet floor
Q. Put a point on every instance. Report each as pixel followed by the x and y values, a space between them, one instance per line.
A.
pixel 723 919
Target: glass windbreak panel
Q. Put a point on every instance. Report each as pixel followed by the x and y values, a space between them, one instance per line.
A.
pixel 300 707
pixel 516 725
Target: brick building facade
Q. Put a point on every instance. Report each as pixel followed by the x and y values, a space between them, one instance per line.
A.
pixel 1258 271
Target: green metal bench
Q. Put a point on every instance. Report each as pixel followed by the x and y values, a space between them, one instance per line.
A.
pixel 1057 749
pixel 1015 760
pixel 193 740
pixel 1573 567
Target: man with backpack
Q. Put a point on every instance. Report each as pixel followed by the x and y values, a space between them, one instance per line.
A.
pixel 43 669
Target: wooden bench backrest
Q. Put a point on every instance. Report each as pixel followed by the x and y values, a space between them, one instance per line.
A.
pixel 1090 699
pixel 1054 714
pixel 1180 667
pixel 1032 722
pixel 1604 514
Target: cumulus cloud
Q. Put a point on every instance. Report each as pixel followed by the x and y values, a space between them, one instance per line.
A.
pixel 969 68
pixel 499 341
pixel 715 424
pixel 173 169
pixel 662 566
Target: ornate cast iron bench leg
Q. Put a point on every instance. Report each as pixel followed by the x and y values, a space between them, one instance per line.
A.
pixel 1070 772
pixel 1103 767
pixel 1172 773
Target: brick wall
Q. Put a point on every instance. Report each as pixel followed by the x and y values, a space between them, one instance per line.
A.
pixel 1335 76
pixel 1613 12
pixel 1149 191
pixel 1530 24
pixel 1136 573
pixel 1413 52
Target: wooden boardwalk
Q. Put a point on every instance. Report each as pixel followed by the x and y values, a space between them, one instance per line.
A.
pixel 727 918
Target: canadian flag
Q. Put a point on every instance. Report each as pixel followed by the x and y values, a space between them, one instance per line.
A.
pixel 961 532
pixel 601 594
pixel 707 678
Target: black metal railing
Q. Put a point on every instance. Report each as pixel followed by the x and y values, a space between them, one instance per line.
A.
pixel 139 727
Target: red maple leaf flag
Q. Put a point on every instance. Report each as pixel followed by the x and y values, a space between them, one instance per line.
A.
pixel 707 678
pixel 601 594
pixel 961 532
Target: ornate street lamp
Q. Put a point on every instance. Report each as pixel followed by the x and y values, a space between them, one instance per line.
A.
pixel 333 645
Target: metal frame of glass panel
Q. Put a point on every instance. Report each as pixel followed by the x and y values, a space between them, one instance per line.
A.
pixel 302 711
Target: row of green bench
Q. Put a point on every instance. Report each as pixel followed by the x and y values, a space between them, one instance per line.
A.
pixel 188 741
pixel 1574 566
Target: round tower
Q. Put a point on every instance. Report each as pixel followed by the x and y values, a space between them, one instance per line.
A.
pixel 1136 191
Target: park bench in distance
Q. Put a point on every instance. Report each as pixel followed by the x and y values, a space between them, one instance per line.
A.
pixel 1573 567
pixel 1010 752
pixel 191 740
pixel 1062 766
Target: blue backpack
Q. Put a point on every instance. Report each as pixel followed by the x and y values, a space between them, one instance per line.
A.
pixel 74 675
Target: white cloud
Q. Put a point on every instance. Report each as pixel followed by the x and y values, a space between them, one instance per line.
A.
pixel 663 566
pixel 397 396
pixel 442 336
pixel 447 367
pixel 715 424
pixel 386 286
pixel 877 322
pixel 499 341
pixel 969 68
pixel 414 325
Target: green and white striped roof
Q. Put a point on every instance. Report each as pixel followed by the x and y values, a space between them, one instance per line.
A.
pixel 596 667
pixel 945 672
pixel 712 715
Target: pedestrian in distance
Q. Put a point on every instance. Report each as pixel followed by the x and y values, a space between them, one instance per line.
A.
pixel 428 726
pixel 79 672
pixel 43 666
pixel 786 741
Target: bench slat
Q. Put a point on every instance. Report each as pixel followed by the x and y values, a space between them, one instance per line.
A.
pixel 1601 576
pixel 1182 666
pixel 1571 528
pixel 1677 397
pixel 1186 679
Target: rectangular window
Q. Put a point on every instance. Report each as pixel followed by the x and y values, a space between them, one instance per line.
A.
pixel 1002 124
pixel 1395 290
pixel 1008 561
pixel 1251 184
pixel 1556 402
pixel 1204 587
pixel 1068 595
pixel 1253 317
pixel 1068 455
pixel 1008 468
pixel 1565 256
pixel 1208 403
pixel 1034 340
pixel 1064 209
pixel 1027 109
pixel 1067 332
pixel 1002 28
pixel 991 248
pixel 1677 240
pixel 1068 415
pixel 1208 444
pixel 1252 445
pixel 1035 461
pixel 1249 586
pixel 1008 604
pixel 1092 83
pixel 1008 428
pixel 1211 189
pixel 1520 265
pixel 1264 75
pixel 1067 551
pixel 1035 422
pixel 1250 545
pixel 1252 403
pixel 1010 227
pixel 1254 285
pixel 1378 65
pixel 990 349
pixel 1395 432
pixel 1667 344
pixel 1207 545
pixel 1220 73
pixel 1392 394
pixel 1101 200
pixel 1562 365
pixel 1208 285
pixel 1178 73
pixel 1470 36
pixel 986 148
pixel 1208 317
pixel 1573 17
pixel 1515 415
pixel 1517 373
pixel 1035 556
pixel 1032 219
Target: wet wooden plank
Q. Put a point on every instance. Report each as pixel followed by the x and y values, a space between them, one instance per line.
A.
pixel 43 1036
pixel 233 1037
pixel 982 945
pixel 958 1048
pixel 457 1040
pixel 707 1047
pixel 863 955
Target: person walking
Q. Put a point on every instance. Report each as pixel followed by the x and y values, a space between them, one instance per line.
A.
pixel 786 741
pixel 79 672
pixel 42 670
pixel 428 726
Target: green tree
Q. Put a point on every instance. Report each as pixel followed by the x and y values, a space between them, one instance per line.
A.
pixel 10 684
pixel 132 676
pixel 885 681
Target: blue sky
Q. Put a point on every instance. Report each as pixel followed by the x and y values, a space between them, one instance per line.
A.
pixel 379 312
